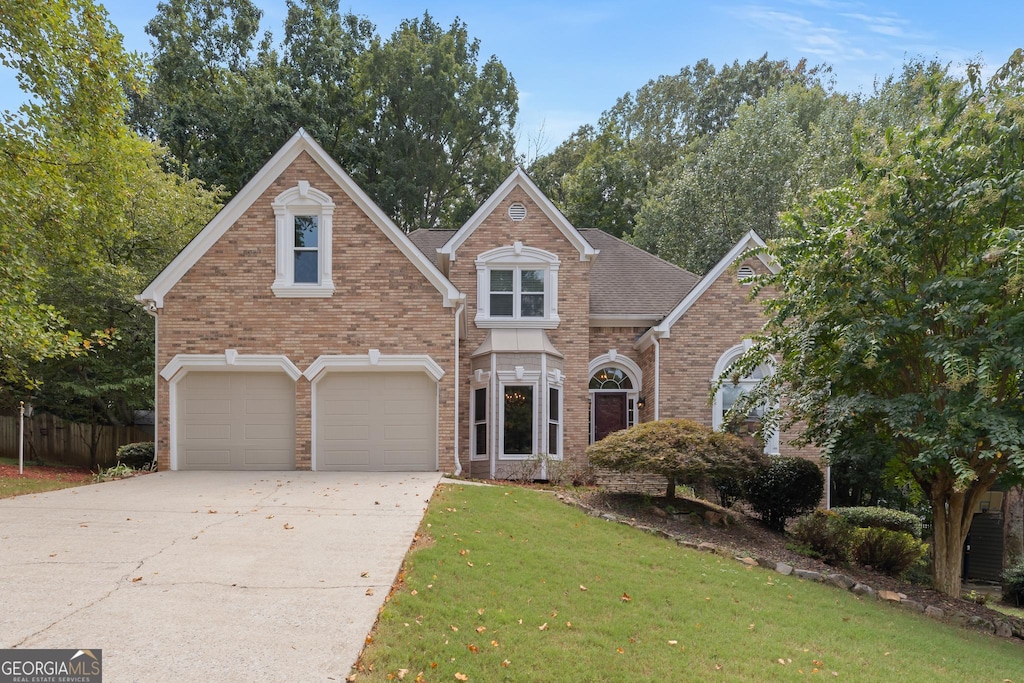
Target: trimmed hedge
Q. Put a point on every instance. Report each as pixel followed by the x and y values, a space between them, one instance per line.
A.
pixel 137 455
pixel 882 518
pixel 827 534
pixel 890 552
pixel 784 488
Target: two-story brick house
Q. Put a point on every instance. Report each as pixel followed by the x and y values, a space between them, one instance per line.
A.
pixel 302 329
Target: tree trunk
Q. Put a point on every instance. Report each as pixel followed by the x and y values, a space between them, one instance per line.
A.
pixel 1013 526
pixel 952 513
pixel 670 492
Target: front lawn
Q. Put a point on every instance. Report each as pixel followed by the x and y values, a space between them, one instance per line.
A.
pixel 508 584
pixel 37 479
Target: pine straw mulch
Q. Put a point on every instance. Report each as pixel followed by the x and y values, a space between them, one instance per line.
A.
pixel 747 537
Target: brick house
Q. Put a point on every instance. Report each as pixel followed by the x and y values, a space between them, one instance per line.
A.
pixel 302 329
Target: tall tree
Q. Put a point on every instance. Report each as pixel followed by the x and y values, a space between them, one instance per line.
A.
pixel 441 136
pixel 899 303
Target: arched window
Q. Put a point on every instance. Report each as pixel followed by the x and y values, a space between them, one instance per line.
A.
pixel 731 390
pixel 610 378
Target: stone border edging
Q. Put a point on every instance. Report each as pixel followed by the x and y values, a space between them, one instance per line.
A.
pixel 1002 628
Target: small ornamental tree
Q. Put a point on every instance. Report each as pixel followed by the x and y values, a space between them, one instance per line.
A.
pixel 682 451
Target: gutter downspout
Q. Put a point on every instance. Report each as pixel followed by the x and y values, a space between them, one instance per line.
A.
pixel 657 376
pixel 150 307
pixel 458 314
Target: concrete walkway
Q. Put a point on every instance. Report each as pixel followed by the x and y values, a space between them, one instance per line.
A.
pixel 208 576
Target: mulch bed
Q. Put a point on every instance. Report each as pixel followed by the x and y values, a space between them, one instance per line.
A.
pixel 747 537
pixel 49 473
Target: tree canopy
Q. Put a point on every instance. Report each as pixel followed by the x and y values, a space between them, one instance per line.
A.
pixel 899 304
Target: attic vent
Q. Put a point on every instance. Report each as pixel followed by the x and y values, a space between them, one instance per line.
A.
pixel 517 211
pixel 745 274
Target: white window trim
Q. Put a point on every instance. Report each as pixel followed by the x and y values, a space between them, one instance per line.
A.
pixel 517 378
pixel 516 258
pixel 771 443
pixel 302 200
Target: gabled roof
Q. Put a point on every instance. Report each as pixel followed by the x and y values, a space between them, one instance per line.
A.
pixel 254 189
pixel 518 178
pixel 429 240
pixel 663 329
pixel 628 282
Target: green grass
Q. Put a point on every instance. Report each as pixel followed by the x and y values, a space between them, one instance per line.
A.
pixel 499 596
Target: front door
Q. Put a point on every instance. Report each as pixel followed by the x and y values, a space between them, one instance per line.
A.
pixel 609 413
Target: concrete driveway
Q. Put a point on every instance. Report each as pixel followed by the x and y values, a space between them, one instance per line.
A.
pixel 208 576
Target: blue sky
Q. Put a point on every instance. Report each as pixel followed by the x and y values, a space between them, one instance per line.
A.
pixel 573 58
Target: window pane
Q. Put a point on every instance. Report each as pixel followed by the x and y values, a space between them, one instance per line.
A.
pixel 532 280
pixel 501 280
pixel 481 439
pixel 480 405
pixel 730 392
pixel 610 378
pixel 518 420
pixel 553 405
pixel 307 267
pixel 501 305
pixel 553 438
pixel 306 231
pixel 533 306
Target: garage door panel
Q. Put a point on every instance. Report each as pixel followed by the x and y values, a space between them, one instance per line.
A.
pixel 237 420
pixel 377 421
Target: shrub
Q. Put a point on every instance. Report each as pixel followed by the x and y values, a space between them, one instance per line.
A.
pixel 680 450
pixel 827 534
pixel 136 455
pixel 890 552
pixel 1013 584
pixel 784 488
pixel 882 518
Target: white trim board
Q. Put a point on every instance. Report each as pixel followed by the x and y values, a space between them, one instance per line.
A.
pixel 254 189
pixel 374 361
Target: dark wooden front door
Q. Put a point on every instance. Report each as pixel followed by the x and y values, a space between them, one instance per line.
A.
pixel 609 413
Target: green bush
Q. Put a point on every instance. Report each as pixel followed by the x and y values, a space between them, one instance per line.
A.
pixel 882 518
pixel 890 552
pixel 682 451
pixel 136 455
pixel 784 488
pixel 1013 584
pixel 827 534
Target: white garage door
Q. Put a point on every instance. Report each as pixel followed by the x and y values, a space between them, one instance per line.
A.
pixel 236 421
pixel 376 422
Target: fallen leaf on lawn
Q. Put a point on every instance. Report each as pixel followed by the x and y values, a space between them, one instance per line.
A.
pixel 413 592
pixel 461 676
pixel 472 648
pixel 543 627
pixel 480 611
pixel 718 667
pixel 505 663
pixel 463 551
pixel 469 564
pixel 520 622
pixel 554 614
pixel 782 661
pixel 481 629
pixel 568 624
pixel 583 588
pixel 401 673
pixel 453 627
pixel 673 642
pixel 136 579
pixel 494 643
pixel 369 591
pixel 620 650
pixel 625 597
pixel 288 526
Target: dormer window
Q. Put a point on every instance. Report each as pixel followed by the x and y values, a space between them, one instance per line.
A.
pixel 304 217
pixel 517 286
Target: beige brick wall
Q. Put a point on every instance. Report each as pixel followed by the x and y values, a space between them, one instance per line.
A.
pixel 570 338
pixel 719 320
pixel 381 301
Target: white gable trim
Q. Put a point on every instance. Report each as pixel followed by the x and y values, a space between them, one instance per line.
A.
pixel 254 189
pixel 664 329
pixel 518 179
pixel 374 361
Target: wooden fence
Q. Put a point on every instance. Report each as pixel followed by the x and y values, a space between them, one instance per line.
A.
pixel 52 440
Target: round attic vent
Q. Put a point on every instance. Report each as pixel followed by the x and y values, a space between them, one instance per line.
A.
pixel 517 211
pixel 745 274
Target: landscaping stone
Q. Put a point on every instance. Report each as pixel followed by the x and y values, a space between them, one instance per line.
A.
pixel 913 604
pixel 934 612
pixel 864 590
pixel 1003 629
pixel 841 580
pixel 749 561
pixel 889 596
pixel 807 574
pixel 657 511
pixel 766 563
pixel 610 517
pixel 714 519
pixel 689 544
pixel 959 618
pixel 708 547
pixel 783 568
pixel 981 624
